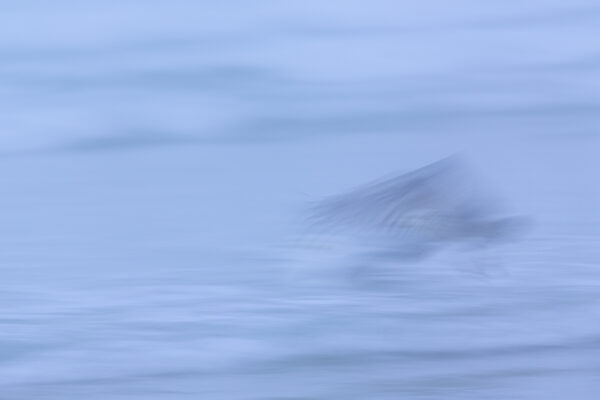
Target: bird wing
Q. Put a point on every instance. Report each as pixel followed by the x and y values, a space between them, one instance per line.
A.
pixel 443 189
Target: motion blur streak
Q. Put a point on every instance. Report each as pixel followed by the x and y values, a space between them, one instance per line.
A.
pixel 157 160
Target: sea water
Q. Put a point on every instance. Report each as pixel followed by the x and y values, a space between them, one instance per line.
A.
pixel 157 160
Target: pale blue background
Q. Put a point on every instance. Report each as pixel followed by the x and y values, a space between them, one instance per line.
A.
pixel 156 157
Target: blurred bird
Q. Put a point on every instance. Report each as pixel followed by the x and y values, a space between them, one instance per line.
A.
pixel 417 213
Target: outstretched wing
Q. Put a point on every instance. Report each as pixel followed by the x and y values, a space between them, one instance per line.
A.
pixel 439 194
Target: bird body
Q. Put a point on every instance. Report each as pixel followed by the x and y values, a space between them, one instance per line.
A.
pixel 423 210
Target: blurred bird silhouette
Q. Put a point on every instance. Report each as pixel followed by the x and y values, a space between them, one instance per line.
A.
pixel 415 214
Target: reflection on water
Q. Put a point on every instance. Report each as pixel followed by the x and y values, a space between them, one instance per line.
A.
pixel 153 157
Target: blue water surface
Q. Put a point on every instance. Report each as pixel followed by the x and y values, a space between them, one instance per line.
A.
pixel 157 158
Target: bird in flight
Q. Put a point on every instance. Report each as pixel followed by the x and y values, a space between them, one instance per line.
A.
pixel 414 214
